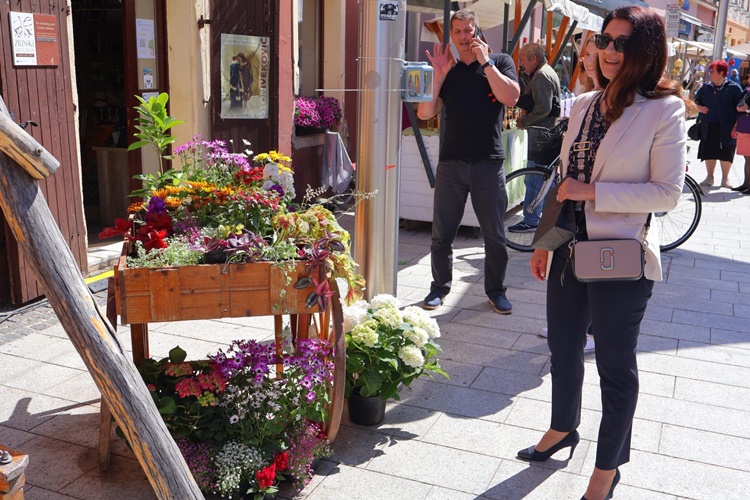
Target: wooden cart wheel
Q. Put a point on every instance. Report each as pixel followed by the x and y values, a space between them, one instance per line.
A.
pixel 338 341
pixel 329 325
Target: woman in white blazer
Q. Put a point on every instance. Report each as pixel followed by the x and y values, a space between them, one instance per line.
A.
pixel 635 136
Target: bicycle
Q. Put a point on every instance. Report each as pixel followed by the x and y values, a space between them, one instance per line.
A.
pixel 675 226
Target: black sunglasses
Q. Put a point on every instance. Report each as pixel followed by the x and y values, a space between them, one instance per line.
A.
pixel 603 40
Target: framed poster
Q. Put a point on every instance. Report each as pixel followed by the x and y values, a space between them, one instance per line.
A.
pixel 34 38
pixel 244 66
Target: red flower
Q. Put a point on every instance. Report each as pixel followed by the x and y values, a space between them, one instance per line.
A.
pixel 266 477
pixel 155 240
pixel 122 226
pixel 281 461
pixel 159 220
pixel 188 387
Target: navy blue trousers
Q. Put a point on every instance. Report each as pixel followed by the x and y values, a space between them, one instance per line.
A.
pixel 615 311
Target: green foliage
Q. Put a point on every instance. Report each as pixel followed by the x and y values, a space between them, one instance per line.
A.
pixel 153 128
pixel 178 253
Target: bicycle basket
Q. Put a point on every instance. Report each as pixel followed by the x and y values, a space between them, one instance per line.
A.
pixel 545 143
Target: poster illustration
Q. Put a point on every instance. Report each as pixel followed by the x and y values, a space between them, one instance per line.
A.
pixel 144 29
pixel 244 66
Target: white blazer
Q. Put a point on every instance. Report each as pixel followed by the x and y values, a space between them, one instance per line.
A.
pixel 639 169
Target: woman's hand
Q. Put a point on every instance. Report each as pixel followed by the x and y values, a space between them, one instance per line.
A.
pixel 734 132
pixel 573 189
pixel 743 107
pixel 703 109
pixel 538 264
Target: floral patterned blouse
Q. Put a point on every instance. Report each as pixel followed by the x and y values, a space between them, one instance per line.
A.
pixel 597 131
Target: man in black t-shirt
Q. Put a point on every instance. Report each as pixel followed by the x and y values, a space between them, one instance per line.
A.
pixel 474 90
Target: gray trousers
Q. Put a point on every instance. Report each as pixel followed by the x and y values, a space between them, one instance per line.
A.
pixel 485 180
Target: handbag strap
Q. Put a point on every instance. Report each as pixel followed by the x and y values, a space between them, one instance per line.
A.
pixel 582 148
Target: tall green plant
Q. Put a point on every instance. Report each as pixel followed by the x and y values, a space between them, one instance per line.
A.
pixel 153 130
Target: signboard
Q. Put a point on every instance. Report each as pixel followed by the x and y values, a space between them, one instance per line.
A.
pixel 34 39
pixel 673 20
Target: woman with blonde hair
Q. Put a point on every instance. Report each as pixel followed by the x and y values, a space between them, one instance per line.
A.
pixel 589 66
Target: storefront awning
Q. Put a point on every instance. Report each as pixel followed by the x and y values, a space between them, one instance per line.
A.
pixel 690 19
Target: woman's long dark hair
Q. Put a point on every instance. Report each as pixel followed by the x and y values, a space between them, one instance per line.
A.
pixel 643 63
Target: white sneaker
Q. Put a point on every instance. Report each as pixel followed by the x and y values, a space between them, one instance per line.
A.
pixel 543 333
pixel 589 343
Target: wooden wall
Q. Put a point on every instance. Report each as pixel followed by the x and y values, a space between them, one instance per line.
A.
pixel 44 95
pixel 254 18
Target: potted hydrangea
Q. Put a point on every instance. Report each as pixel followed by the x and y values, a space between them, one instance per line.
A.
pixel 386 348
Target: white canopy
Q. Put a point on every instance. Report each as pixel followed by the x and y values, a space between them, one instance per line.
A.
pixel 703 48
pixel 490 12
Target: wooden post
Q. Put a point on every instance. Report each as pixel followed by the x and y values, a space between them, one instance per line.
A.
pixel 558 47
pixel 548 35
pixel 29 218
pixel 13 475
pixel 516 24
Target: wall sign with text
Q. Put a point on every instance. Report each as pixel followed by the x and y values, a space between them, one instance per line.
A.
pixel 34 38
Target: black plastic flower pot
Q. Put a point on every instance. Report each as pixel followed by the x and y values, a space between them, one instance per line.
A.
pixel 215 257
pixel 365 410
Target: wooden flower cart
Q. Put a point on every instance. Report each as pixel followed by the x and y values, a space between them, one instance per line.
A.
pixel 211 291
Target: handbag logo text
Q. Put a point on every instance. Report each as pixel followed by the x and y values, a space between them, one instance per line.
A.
pixel 607 258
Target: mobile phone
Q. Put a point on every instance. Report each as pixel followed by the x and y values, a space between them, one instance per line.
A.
pixel 478 33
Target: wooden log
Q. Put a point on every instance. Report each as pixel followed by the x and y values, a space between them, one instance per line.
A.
pixel 115 375
pixel 25 151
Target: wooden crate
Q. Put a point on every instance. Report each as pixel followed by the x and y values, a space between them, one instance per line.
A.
pixel 208 291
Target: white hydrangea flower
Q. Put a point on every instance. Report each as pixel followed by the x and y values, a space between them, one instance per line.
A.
pixel 365 334
pixel 384 300
pixel 271 171
pixel 417 335
pixel 355 315
pixel 417 317
pixel 411 355
pixel 268 184
pixel 389 316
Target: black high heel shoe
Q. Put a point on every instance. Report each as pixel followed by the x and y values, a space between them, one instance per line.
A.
pixel 531 454
pixel 615 480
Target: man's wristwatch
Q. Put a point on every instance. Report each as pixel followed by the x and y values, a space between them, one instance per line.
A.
pixel 489 62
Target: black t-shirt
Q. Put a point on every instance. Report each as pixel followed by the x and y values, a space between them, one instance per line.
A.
pixel 473 117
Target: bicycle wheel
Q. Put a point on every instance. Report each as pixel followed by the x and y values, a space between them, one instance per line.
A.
pixel 516 184
pixel 677 225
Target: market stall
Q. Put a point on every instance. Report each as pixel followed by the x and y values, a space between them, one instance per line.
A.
pixel 416 198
